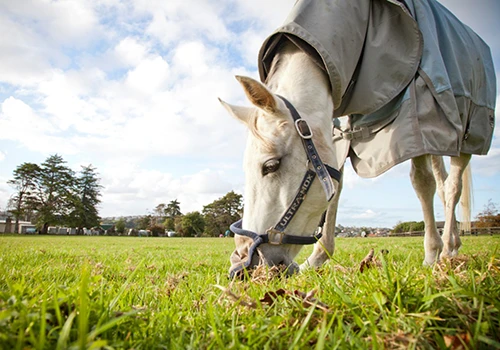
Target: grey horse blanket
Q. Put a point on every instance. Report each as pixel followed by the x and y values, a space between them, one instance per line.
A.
pixel 411 77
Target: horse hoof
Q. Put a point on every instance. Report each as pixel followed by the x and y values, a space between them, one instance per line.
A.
pixel 429 262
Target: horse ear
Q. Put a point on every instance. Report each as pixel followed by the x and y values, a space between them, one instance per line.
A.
pixel 258 94
pixel 239 112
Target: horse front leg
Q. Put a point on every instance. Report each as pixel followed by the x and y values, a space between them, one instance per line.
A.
pixel 325 247
pixel 440 175
pixel 453 191
pixel 424 184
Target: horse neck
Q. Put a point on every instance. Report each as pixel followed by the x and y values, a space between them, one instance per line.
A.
pixel 296 77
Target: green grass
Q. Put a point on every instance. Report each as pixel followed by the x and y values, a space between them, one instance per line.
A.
pixel 160 293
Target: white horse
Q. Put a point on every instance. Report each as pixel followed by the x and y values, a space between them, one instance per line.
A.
pixel 275 163
pixel 278 217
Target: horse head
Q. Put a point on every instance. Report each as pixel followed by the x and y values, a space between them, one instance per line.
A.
pixel 287 177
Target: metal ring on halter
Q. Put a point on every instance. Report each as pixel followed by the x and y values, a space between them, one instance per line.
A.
pixel 303 129
pixel 275 237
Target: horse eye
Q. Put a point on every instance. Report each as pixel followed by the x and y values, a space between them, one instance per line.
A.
pixel 270 166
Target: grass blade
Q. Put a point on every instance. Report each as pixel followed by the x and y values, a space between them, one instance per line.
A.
pixel 65 332
pixel 43 324
pixel 302 328
pixel 108 325
pixel 83 314
pixel 124 286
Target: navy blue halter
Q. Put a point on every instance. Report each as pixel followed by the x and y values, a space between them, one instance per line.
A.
pixel 276 234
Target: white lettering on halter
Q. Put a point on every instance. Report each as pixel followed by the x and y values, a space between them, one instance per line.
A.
pixel 298 200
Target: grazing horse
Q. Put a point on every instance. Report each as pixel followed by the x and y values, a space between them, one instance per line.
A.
pixel 396 77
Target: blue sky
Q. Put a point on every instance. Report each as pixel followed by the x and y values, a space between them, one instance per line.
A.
pixel 131 87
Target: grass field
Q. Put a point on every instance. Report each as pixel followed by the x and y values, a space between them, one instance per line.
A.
pixel 169 293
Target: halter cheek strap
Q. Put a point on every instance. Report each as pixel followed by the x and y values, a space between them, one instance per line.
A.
pixel 325 175
pixel 276 234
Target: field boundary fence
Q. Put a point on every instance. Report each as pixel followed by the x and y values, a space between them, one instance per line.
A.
pixel 475 231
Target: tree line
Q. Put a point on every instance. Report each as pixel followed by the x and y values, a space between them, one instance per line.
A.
pixel 214 220
pixel 489 217
pixel 53 194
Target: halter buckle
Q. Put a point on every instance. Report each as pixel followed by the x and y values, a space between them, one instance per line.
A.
pixel 275 236
pixel 303 129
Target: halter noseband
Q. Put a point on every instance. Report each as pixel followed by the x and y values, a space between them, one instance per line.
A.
pixel 276 234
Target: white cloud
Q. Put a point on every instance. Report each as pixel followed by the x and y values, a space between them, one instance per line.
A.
pixel 71 22
pixel 130 52
pixel 159 105
pixel 172 20
pixel 207 182
pixel 367 214
pixel 487 165
pixel 5 193
pixel 193 59
pixel 21 121
pixel 24 59
pixel 2 156
pixel 249 44
pixel 270 14
pixel 164 30
pixel 128 187
pixel 149 76
pixel 141 114
pixel 35 34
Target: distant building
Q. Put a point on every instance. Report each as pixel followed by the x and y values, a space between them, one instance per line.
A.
pixel 107 228
pixel 7 226
pixel 28 228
